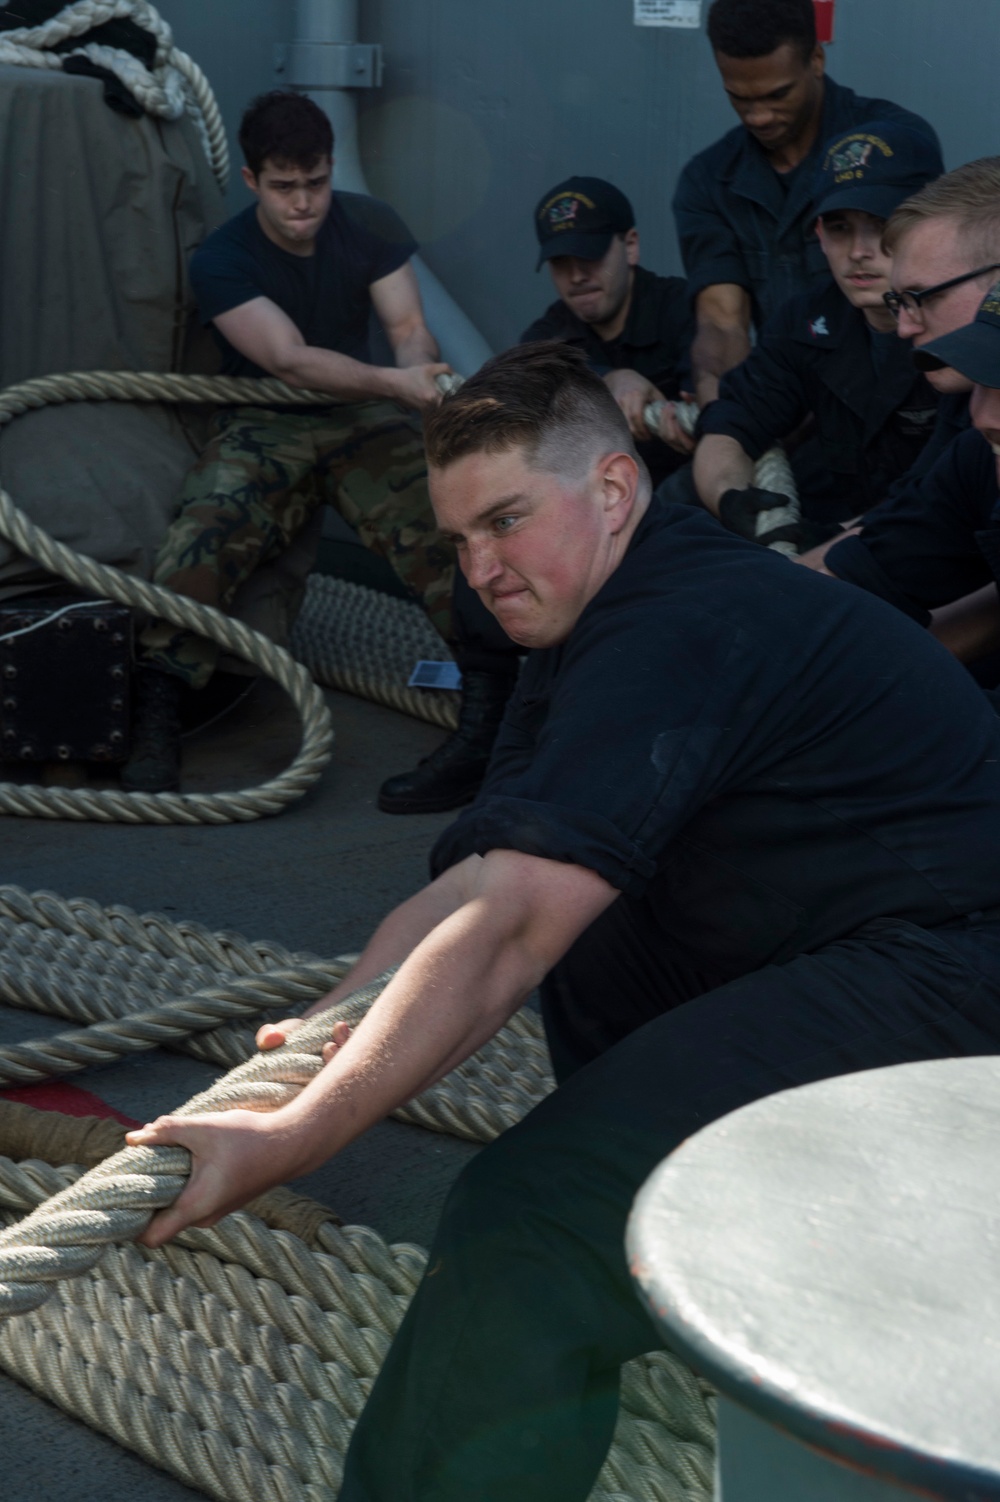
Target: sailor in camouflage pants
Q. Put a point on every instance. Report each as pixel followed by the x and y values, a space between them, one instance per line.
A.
pixel 259 481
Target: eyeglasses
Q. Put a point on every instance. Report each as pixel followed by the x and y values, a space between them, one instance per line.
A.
pixel 911 301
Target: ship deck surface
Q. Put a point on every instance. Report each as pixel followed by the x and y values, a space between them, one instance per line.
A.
pixel 318 877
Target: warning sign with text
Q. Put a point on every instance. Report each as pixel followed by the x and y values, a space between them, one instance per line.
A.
pixel 668 13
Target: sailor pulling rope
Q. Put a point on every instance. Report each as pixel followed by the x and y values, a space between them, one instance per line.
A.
pixel 771 472
pixel 300 1328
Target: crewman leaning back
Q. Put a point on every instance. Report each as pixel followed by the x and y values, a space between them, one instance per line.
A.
pixel 740 826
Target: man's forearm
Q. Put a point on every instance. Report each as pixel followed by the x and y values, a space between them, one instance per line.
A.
pixel 969 627
pixel 417 348
pixel 720 464
pixel 460 984
pixel 714 351
pixel 457 988
pixel 325 370
pixel 404 928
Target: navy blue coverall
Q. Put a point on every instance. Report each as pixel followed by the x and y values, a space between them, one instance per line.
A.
pixel 936 540
pixel 740 221
pixel 952 420
pixel 796 792
pixel 873 414
pixel 655 341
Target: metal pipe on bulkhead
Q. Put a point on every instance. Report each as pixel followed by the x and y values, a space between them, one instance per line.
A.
pixel 327 62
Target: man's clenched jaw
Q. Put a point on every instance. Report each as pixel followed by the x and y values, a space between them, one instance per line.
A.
pixel 598 292
pixel 535 546
pixel 292 201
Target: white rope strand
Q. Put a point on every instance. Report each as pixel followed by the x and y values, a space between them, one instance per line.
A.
pixel 175 84
pixel 99 579
pixel 771 472
pixel 168 1351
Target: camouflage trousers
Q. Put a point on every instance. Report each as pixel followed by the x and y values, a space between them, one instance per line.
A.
pixel 257 483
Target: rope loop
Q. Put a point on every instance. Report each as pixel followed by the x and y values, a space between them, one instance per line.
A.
pixel 294 1325
pixel 174 86
pixel 33 802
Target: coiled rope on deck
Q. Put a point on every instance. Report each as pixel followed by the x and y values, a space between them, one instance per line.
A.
pixel 106 966
pixel 168 1350
pixel 343 628
pixel 239 1359
pixel 347 637
pixel 68 1234
pixel 101 579
pixel 174 86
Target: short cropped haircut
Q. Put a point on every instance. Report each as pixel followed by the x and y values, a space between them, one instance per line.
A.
pixel 756 28
pixel 541 398
pixel 969 197
pixel 288 128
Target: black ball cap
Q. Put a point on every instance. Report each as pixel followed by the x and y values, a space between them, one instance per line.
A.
pixel 973 351
pixel 580 217
pixel 875 168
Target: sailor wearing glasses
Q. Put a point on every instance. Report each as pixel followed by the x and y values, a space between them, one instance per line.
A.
pixel 945 249
pixel 939 542
pixel 833 352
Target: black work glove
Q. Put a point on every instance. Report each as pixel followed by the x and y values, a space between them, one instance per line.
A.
pixel 739 509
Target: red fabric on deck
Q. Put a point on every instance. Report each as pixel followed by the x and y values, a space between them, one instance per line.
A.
pixel 70 1100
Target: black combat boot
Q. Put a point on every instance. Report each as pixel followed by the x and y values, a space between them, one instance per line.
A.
pixel 452 774
pixel 155 763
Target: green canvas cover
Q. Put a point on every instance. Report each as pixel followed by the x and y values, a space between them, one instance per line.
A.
pixel 100 216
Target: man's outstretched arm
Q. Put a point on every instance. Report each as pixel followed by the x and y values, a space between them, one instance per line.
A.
pixel 517 916
pixel 634 393
pixel 720 464
pixel 722 336
pixel 397 303
pixel 265 334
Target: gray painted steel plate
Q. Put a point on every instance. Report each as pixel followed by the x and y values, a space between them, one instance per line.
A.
pixel 830 1258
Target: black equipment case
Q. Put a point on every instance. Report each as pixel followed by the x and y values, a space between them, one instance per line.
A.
pixel 65 667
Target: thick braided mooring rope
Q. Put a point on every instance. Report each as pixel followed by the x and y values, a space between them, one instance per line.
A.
pixel 44 964
pixel 240 1359
pixel 115 1200
pixel 343 628
pixel 121 973
pixel 771 472
pixel 143 1352
pixel 174 86
pixel 348 637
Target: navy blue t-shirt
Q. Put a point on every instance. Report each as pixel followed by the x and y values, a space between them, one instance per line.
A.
pixel 326 295
pixel 934 541
pixel 763 758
